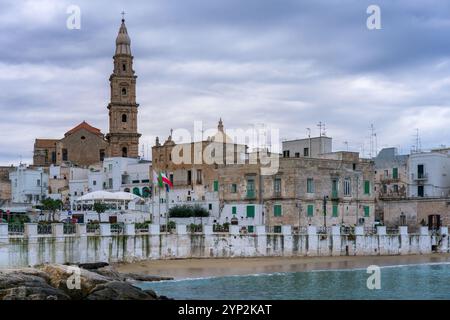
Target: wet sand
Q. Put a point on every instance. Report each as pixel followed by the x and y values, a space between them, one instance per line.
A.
pixel 198 268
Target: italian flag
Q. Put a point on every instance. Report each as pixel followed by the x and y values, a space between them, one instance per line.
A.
pixel 162 180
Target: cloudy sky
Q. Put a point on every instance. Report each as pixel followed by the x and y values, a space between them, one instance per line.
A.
pixel 289 64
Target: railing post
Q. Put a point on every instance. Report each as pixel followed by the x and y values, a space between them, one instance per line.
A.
pixel 381 230
pixel 129 229
pixel 286 230
pixel 181 229
pixel 207 229
pixel 424 240
pixel 154 229
pixel 404 240
pixel 234 230
pixel 31 230
pixel 57 230
pixel 261 237
pixel 381 233
pixel 359 240
pixel 335 240
pixel 105 229
pixel 312 249
pixel 80 229
pixel 3 231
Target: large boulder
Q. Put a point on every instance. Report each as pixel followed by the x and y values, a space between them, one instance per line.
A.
pixel 117 290
pixel 28 285
pixel 59 276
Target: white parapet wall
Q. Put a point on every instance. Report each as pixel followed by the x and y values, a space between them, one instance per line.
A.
pixel 125 245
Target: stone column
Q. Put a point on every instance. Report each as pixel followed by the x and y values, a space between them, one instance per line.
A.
pixel 359 240
pixel 81 234
pixel 234 241
pixel 181 229
pixel 105 229
pixel 234 230
pixel 129 229
pixel 312 248
pixel 183 242
pixel 287 240
pixel 4 246
pixel 382 246
pixel 129 232
pixel 154 234
pixel 424 241
pixel 336 242
pixel 404 240
pixel 57 230
pixel 31 234
pixel 261 238
pixel 105 242
pixel 58 235
pixel 209 249
pixel 443 231
pixel 207 230
pixel 30 230
pixel 80 230
pixel 4 232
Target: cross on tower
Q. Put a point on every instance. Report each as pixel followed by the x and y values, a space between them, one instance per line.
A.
pixel 123 15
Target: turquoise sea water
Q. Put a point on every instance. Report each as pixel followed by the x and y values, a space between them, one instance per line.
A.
pixel 427 281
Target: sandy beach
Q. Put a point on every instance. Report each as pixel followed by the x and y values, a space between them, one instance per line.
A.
pixel 197 268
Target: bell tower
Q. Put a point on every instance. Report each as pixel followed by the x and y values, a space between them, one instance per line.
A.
pixel 123 110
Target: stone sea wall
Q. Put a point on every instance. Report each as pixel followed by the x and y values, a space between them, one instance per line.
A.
pixel 127 245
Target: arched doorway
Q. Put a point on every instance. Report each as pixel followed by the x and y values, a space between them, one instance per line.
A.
pixel 124 152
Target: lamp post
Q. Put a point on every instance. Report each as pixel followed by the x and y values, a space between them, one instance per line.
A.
pixel 325 198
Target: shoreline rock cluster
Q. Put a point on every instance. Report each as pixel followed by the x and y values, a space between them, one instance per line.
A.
pixel 96 281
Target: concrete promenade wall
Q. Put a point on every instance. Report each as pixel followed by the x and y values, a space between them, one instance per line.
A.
pixel 31 248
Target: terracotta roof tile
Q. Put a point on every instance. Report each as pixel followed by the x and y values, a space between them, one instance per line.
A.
pixel 86 126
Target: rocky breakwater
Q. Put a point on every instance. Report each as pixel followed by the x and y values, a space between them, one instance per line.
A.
pixel 83 282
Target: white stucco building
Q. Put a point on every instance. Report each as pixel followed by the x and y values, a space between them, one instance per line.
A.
pixel 28 186
pixel 429 174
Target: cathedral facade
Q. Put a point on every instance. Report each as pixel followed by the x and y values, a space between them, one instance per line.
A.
pixel 85 145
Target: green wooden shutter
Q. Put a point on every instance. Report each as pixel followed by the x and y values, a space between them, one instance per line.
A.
pixel 310 210
pixel 250 211
pixel 395 173
pixel 366 187
pixel 335 210
pixel 277 210
pixel 233 210
pixel 366 211
pixel 216 186
pixel 250 229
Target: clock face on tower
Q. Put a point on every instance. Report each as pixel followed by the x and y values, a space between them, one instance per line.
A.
pixel 123 136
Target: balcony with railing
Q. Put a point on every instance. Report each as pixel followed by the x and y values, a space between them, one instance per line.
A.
pixel 334 195
pixel 388 178
pixel 419 176
pixel 251 194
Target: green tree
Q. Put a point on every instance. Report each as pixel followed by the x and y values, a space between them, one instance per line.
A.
pixel 100 208
pixel 51 205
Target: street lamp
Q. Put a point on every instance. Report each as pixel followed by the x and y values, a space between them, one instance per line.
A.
pixel 325 198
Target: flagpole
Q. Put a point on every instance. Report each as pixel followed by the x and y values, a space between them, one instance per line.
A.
pixel 159 205
pixel 167 208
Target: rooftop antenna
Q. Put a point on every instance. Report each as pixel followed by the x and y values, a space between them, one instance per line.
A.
pixel 346 145
pixel 320 125
pixel 372 142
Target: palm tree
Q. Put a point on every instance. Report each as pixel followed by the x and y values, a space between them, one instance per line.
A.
pixel 52 205
pixel 99 208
